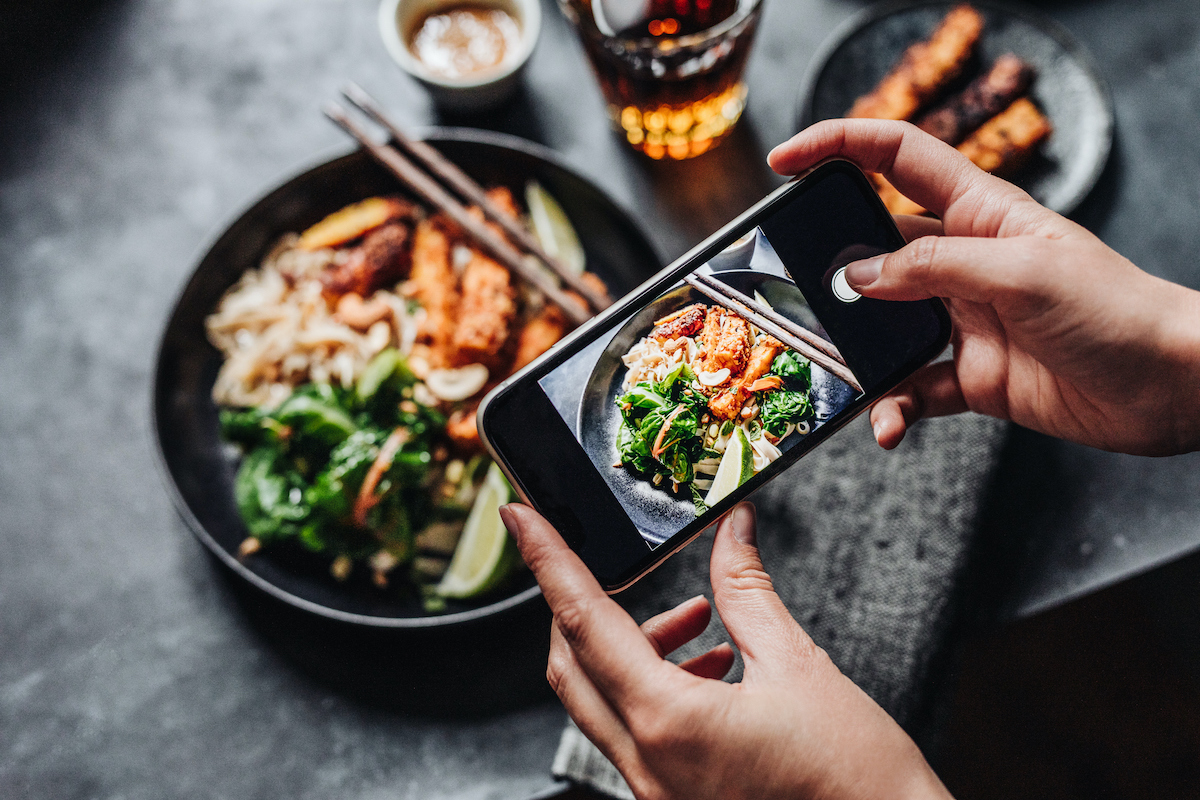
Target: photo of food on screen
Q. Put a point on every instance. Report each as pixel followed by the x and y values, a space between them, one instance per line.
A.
pixel 683 401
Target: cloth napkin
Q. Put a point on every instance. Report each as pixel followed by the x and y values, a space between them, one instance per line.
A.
pixel 868 550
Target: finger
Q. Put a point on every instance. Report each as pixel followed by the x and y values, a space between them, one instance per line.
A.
pixel 714 664
pixel 672 629
pixel 912 227
pixel 754 616
pixel 591 711
pixel 921 167
pixel 608 644
pixel 976 269
pixel 932 391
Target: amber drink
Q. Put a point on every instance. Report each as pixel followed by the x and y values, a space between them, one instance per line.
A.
pixel 671 70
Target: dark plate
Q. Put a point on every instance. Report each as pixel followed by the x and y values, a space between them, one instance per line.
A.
pixel 200 469
pixel 1067 88
pixel 657 512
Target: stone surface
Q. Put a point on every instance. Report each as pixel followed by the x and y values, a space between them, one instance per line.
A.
pixel 135 132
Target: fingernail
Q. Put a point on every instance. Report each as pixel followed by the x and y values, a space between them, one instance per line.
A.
pixel 510 521
pixel 742 519
pixel 863 273
pixel 877 429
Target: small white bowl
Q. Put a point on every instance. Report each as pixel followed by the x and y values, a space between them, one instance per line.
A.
pixel 396 18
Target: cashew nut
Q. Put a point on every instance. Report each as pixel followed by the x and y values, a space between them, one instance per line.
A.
pixel 361 314
pixel 457 384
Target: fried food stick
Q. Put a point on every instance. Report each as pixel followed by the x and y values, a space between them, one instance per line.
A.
pixel 987 96
pixel 1004 143
pixel 547 327
pixel 925 68
pixel 486 314
pixel 1001 146
pixel 728 403
pixel 434 285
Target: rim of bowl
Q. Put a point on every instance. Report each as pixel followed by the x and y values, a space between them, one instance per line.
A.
pixel 181 506
pixel 646 43
pixel 389 31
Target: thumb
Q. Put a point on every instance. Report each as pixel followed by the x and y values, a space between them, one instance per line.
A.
pixel 965 268
pixel 757 621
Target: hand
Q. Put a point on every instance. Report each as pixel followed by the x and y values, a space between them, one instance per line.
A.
pixel 794 727
pixel 1052 329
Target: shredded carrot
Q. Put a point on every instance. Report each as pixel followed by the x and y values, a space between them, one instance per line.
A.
pixel 367 499
pixel 766 384
pixel 659 447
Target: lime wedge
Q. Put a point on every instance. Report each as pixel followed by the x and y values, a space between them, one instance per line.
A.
pixel 486 555
pixel 553 229
pixel 737 467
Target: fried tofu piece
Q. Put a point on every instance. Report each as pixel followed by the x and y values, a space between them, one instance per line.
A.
pixel 434 285
pixel 926 68
pixel 539 335
pixel 383 258
pixel 728 403
pixel 503 199
pixel 355 220
pixel 724 341
pixel 687 321
pixel 1005 142
pixel 984 98
pixel 486 315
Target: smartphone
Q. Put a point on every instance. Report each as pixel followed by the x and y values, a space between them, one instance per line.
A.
pixel 644 427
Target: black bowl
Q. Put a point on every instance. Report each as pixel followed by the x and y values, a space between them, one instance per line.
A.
pixel 1068 88
pixel 293 597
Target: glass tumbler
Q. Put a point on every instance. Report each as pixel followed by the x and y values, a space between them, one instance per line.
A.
pixel 671 70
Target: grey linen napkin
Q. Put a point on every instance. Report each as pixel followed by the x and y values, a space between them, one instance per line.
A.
pixel 865 547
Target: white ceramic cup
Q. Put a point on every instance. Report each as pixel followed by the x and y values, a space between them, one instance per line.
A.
pixel 466 94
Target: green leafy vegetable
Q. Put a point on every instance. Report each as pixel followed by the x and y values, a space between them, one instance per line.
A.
pixel 795 369
pixel 661 432
pixel 270 496
pixel 632 448
pixel 305 464
pixel 317 419
pixel 642 396
pixel 783 406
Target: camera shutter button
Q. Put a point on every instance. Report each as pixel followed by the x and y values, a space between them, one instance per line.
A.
pixel 841 287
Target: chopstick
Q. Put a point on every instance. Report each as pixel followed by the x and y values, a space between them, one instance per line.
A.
pixel 803 341
pixel 469 190
pixel 433 193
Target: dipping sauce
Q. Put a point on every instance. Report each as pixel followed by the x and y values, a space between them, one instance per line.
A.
pixel 465 40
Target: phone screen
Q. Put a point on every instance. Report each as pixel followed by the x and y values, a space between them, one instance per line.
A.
pixel 681 407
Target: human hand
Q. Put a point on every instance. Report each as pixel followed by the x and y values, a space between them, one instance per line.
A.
pixel 794 727
pixel 1052 329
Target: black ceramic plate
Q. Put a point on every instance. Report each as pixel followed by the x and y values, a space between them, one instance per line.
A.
pixel 1067 88
pixel 201 469
pixel 657 512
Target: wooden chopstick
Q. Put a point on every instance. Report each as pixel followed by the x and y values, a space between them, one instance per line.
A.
pixel 824 346
pixel 468 189
pixel 803 341
pixel 433 193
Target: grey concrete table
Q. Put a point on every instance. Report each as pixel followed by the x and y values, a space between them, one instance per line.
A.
pixel 135 131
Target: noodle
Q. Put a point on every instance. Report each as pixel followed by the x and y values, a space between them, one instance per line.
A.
pixel 276 331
